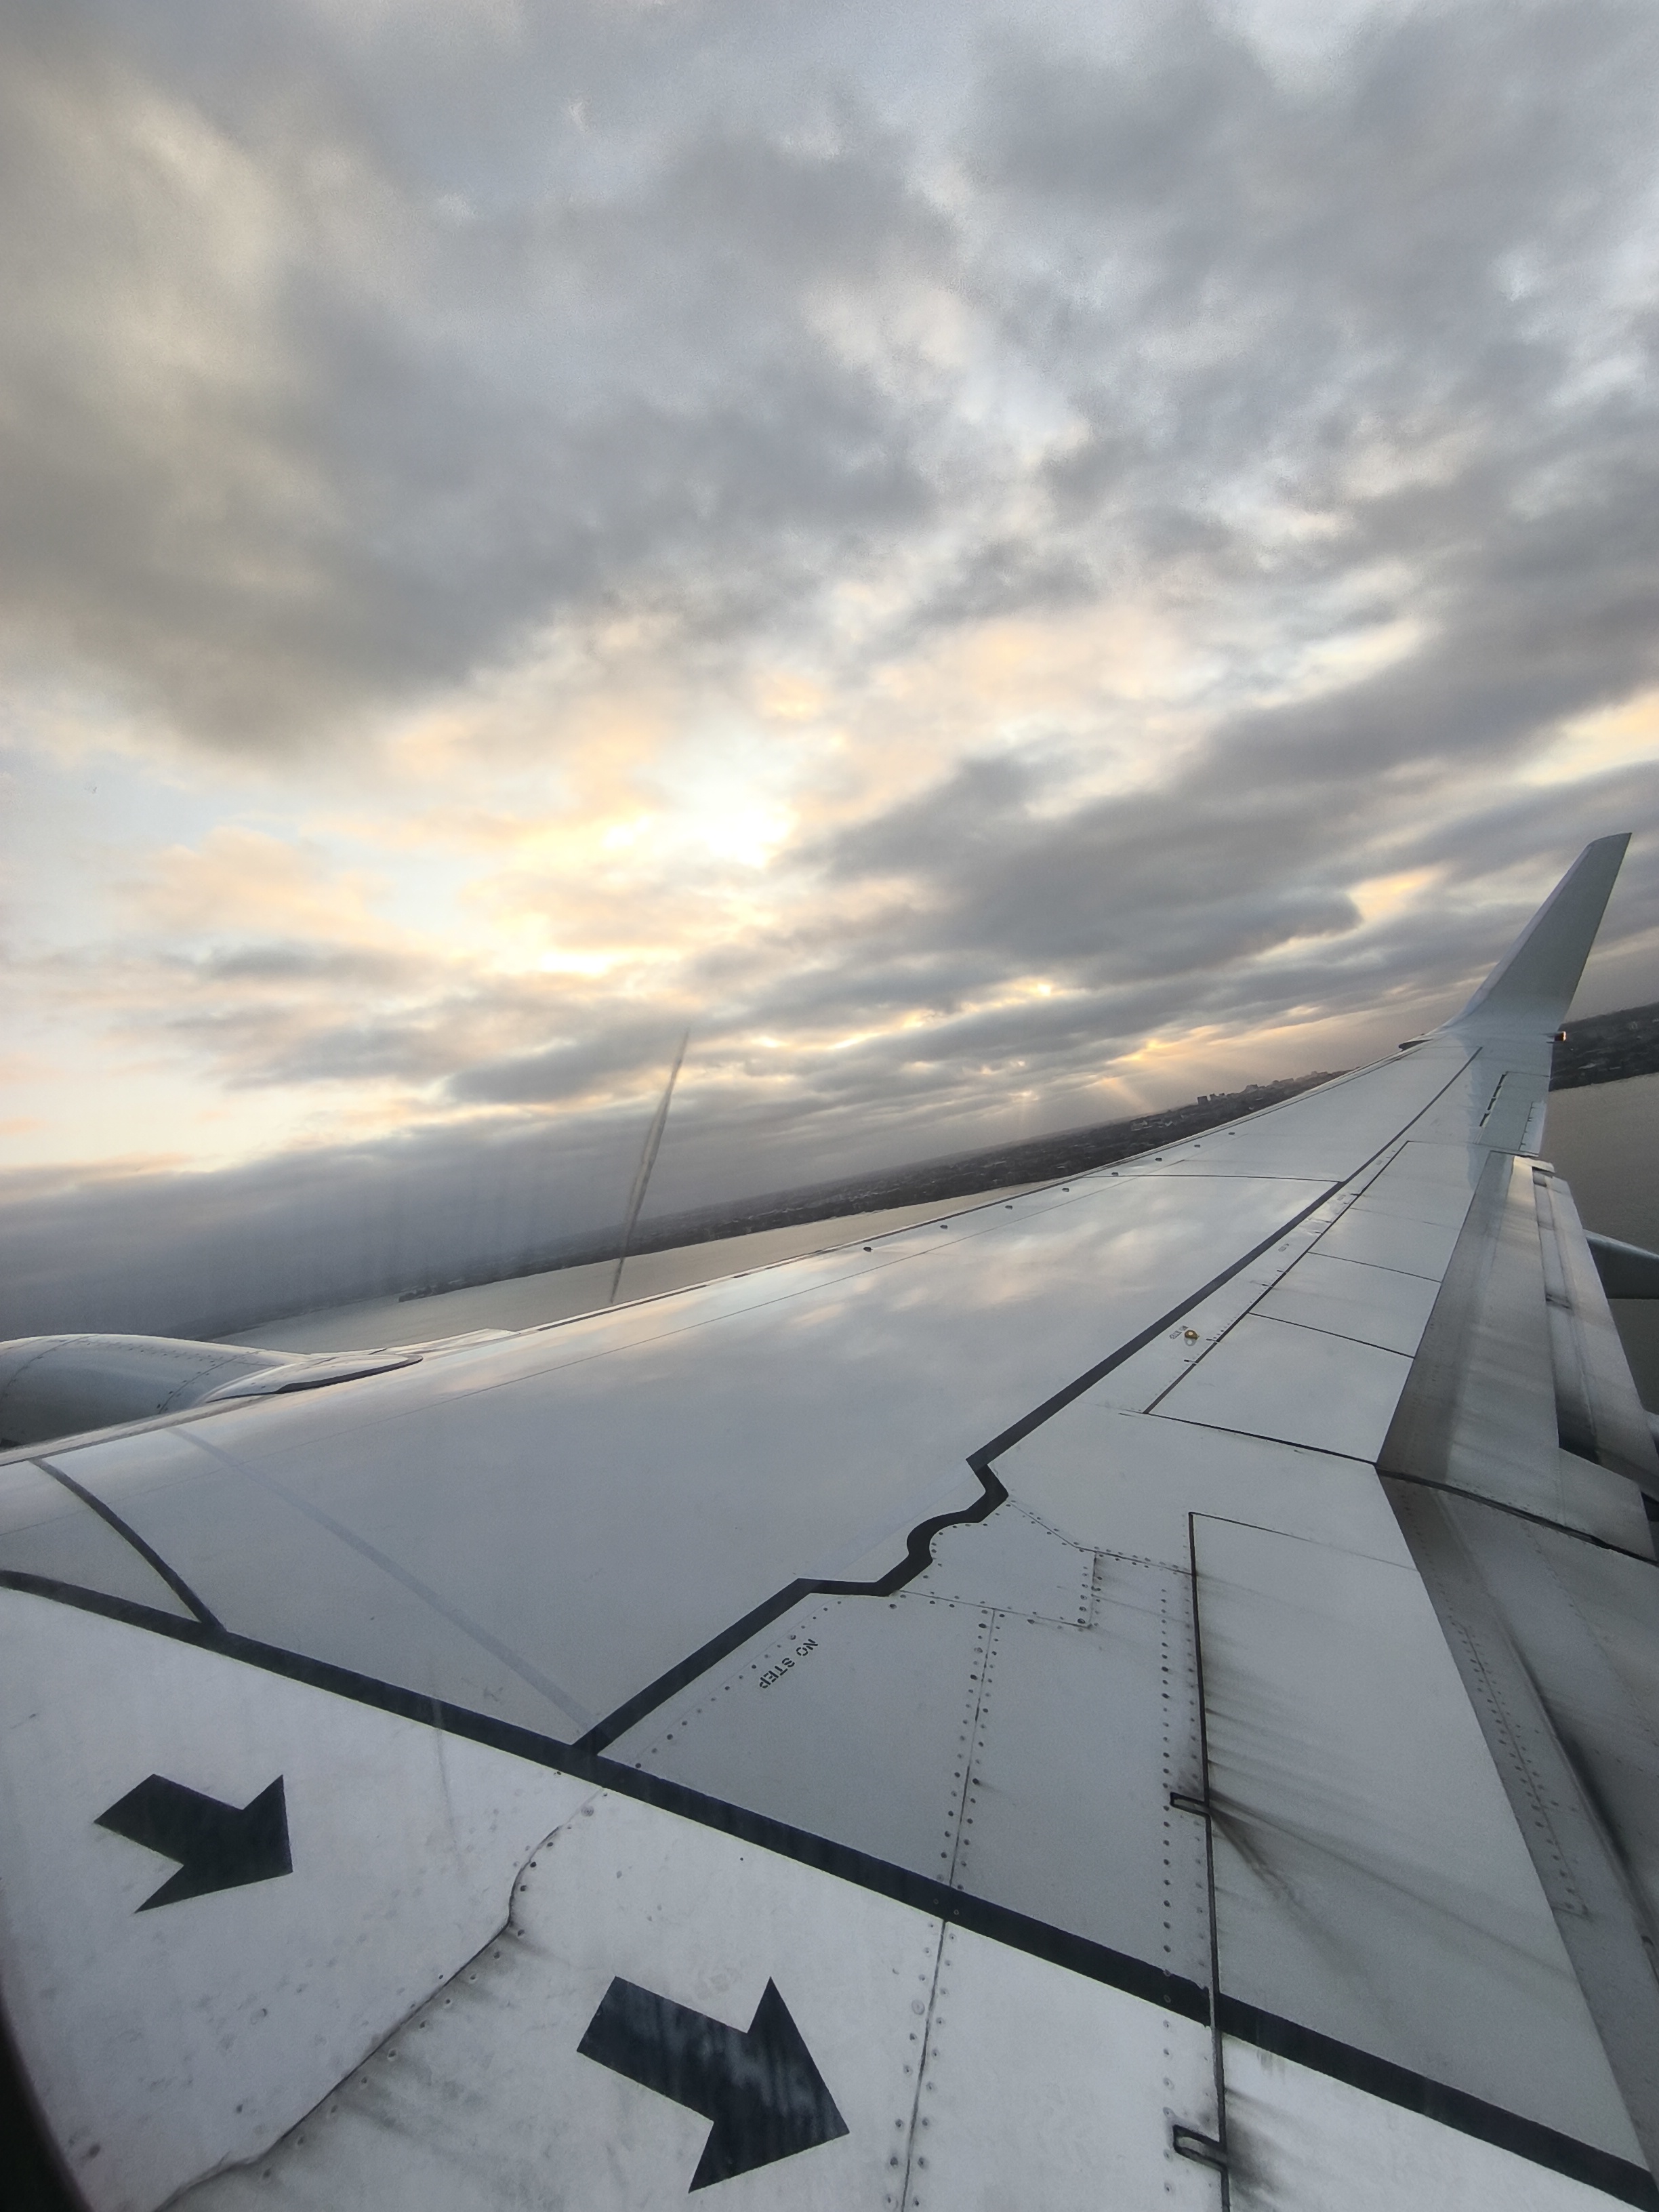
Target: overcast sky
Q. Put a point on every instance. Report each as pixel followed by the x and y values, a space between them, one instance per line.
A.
pixel 1001 565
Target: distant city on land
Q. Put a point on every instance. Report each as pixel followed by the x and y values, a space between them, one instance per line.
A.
pixel 1607 1049
pixel 1601 1048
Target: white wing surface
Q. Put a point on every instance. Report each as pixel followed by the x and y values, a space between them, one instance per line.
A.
pixel 1147 1693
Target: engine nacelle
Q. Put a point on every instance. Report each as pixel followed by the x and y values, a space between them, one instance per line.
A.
pixel 64 1386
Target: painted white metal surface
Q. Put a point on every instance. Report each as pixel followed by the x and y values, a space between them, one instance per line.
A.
pixel 1295 1386
pixel 1618 1426
pixel 46 1531
pixel 663 1470
pixel 54 1386
pixel 1040 2088
pixel 1370 1883
pixel 162 2043
pixel 1365 1265
pixel 1140 1381
pixel 520 1302
pixel 1127 1482
pixel 1305 2143
pixel 849 1717
pixel 1089 1841
pixel 958 2075
pixel 988 1742
pixel 1024 1567
pixel 1409 1218
pixel 1372 1305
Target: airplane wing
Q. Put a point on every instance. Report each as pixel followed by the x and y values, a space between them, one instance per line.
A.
pixel 1141 1694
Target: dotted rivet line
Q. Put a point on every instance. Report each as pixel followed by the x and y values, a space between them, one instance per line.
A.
pixel 1183 1767
pixel 1544 1799
pixel 1487 1692
pixel 942 1544
pixel 974 1736
pixel 918 2177
pixel 1089 1567
pixel 1171 1782
pixel 933 1597
pixel 905 2125
pixel 1136 1559
pixel 963 1771
pixel 1037 1522
pixel 1169 2113
pixel 686 1714
pixel 1076 1618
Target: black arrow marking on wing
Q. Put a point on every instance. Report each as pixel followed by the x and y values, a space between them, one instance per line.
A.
pixel 765 2096
pixel 218 1846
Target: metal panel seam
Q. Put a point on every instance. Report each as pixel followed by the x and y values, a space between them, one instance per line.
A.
pixel 176 1582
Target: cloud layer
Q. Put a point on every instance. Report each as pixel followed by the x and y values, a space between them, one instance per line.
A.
pixel 1002 572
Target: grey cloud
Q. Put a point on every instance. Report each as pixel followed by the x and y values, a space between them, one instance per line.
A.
pixel 1251 291
pixel 1155 882
pixel 211 1253
pixel 1159 907
pixel 1536 618
pixel 1261 249
pixel 367 466
pixel 571 1068
pixel 1146 914
pixel 340 1015
pixel 284 962
pixel 256 1050
pixel 201 1254
pixel 1146 911
pixel 598 378
pixel 1007 576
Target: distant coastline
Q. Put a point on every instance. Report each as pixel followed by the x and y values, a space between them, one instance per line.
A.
pixel 1608 1049
pixel 998 1167
pixel 1601 1048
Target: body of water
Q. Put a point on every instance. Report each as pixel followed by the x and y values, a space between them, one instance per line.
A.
pixel 1604 1139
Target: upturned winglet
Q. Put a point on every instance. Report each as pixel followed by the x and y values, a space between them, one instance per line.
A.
pixel 1531 988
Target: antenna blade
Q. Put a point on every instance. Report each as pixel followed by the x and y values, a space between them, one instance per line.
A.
pixel 647 1161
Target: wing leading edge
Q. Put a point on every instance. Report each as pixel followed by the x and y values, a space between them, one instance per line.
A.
pixel 1150 1682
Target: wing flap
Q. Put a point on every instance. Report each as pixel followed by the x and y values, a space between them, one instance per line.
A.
pixel 1371 1884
